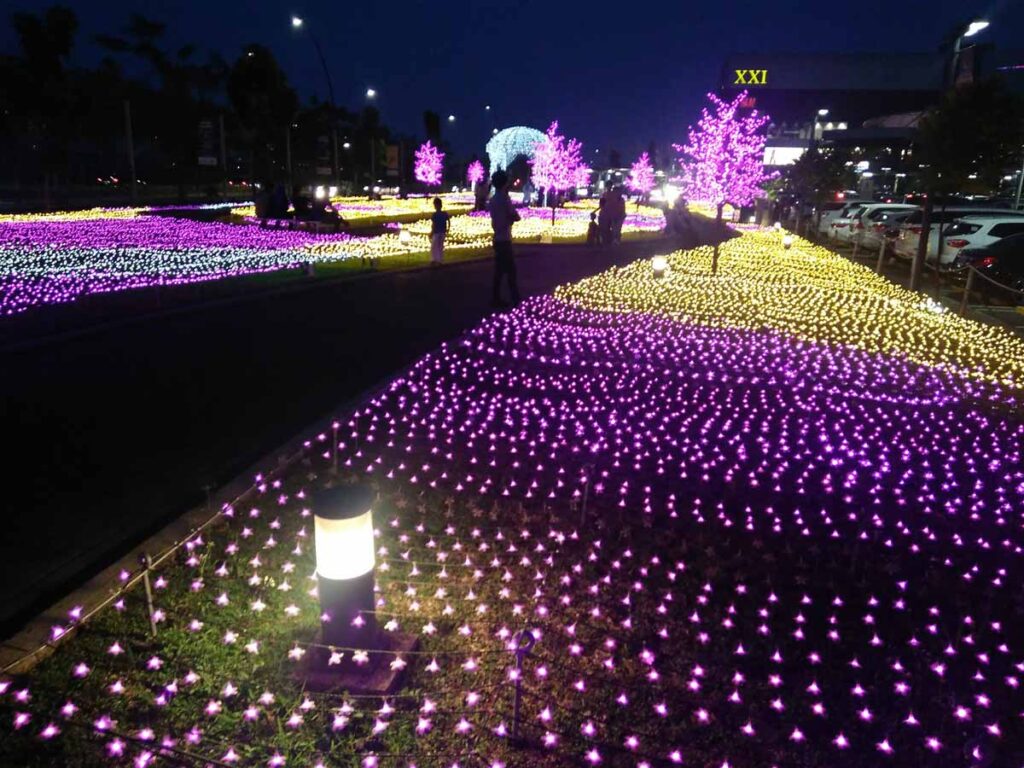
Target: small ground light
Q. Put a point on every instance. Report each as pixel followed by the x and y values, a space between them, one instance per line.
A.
pixel 659 265
pixel 404 235
pixel 344 564
pixel 787 241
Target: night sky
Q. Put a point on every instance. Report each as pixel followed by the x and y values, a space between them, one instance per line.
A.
pixel 615 74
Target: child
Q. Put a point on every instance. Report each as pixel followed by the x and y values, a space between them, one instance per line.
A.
pixel 439 223
pixel 593 231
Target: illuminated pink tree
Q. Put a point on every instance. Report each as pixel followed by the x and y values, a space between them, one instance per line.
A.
pixel 641 176
pixel 724 157
pixel 558 164
pixel 429 165
pixel 475 173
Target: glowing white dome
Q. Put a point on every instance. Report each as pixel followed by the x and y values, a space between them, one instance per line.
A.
pixel 505 146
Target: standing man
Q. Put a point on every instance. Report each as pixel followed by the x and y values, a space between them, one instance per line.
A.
pixel 503 216
pixel 439 225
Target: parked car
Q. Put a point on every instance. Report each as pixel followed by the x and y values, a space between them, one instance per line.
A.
pixel 868 224
pixel 839 228
pixel 829 212
pixel 910 233
pixel 1001 261
pixel 977 232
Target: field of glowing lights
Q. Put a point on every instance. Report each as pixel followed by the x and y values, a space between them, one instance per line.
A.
pixel 361 212
pixel 57 258
pixel 770 518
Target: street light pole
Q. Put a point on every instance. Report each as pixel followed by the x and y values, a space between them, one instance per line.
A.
pixel 1020 185
pixel 371 94
pixel 969 31
pixel 298 23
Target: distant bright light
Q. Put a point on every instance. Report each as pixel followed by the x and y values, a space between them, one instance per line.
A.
pixel 319 193
pixel 371 93
pixel 776 156
pixel 487 107
pixel 296 22
pixel 347 145
pixel 975 27
pixel 451 118
pixel 822 112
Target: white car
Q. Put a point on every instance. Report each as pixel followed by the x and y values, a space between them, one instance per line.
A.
pixel 977 232
pixel 839 228
pixel 869 223
pixel 829 212
pixel 910 232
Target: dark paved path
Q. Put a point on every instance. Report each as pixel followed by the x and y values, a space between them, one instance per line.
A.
pixel 113 433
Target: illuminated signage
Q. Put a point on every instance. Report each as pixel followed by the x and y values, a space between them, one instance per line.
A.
pixel 751 77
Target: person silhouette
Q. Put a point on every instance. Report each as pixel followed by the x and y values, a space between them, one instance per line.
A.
pixel 503 216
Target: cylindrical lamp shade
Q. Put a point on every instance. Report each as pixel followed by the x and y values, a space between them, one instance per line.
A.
pixel 344 564
pixel 659 265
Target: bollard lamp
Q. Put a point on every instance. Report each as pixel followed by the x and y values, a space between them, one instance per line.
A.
pixel 659 265
pixel 343 519
pixel 787 241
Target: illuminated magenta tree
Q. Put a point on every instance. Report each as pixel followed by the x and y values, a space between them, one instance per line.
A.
pixel 641 176
pixel 558 164
pixel 724 158
pixel 429 165
pixel 475 173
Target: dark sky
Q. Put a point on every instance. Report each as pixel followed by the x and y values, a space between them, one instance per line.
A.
pixel 616 74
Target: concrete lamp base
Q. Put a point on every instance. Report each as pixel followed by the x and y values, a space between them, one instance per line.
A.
pixel 375 677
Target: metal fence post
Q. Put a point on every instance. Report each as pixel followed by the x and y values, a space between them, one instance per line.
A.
pixel 147 564
pixel 881 255
pixel 524 641
pixel 334 447
pixel 967 291
pixel 586 494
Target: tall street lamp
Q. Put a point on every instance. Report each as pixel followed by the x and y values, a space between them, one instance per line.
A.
pixel 969 30
pixel 299 23
pixel 814 127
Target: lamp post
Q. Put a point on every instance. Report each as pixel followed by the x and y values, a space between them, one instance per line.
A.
pixel 298 23
pixel 814 127
pixel 343 519
pixel 371 96
pixel 970 30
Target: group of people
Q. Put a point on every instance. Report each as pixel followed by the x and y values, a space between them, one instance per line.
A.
pixel 606 222
pixel 271 202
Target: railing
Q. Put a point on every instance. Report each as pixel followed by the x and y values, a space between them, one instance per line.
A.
pixel 972 274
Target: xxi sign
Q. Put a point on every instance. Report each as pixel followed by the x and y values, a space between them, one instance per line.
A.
pixel 751 77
